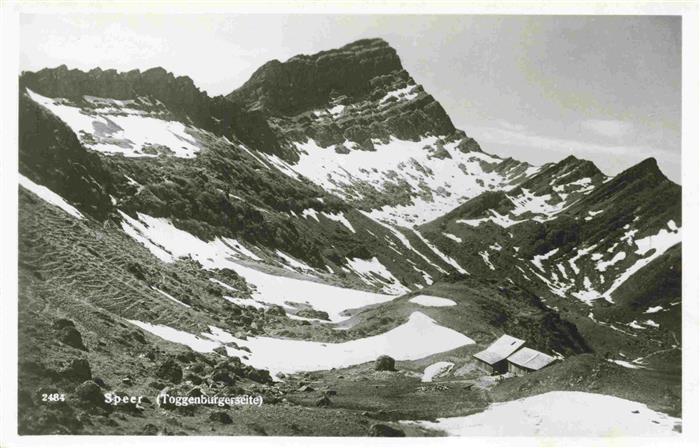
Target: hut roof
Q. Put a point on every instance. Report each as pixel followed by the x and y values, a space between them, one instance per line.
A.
pixel 500 349
pixel 530 359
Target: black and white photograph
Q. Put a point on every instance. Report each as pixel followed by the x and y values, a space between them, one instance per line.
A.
pixel 333 224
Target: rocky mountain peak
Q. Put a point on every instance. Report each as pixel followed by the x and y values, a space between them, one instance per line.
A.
pixel 648 167
pixel 573 162
pixel 360 49
pixel 351 98
pixel 646 175
pixel 307 81
pixel 640 191
pixel 569 160
pixel 570 171
pixel 157 72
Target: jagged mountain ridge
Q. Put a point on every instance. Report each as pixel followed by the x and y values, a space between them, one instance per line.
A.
pixel 314 79
pixel 178 95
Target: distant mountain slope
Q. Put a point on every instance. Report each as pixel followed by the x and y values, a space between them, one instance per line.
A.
pixel 651 297
pixel 136 155
pixel 605 248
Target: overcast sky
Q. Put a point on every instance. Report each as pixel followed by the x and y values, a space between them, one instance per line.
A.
pixel 536 88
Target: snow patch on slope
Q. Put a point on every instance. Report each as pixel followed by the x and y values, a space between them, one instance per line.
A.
pixel 560 414
pixel 588 294
pixel 405 94
pixel 485 256
pixel 49 196
pixel 401 237
pixel 658 243
pixel 436 370
pixel 493 216
pixel 447 181
pixel 602 266
pixel 129 132
pixel 168 243
pixel 246 302
pixel 432 301
pixel 165 294
pixel 339 217
pixel 446 258
pixel 373 271
pixel 293 262
pixel 538 259
pixel 540 205
pixel 452 237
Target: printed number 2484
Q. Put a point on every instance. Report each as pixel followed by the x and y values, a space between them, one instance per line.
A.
pixel 53 397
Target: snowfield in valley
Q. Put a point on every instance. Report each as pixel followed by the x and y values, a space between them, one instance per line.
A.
pixel 334 300
pixel 560 414
pixel 421 336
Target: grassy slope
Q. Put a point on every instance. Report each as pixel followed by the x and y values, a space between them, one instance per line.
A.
pixel 657 284
pixel 225 191
pixel 96 278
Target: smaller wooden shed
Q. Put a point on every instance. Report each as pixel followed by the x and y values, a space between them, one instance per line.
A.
pixel 528 360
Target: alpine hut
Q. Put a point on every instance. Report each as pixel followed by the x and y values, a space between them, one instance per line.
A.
pixel 494 358
pixel 528 360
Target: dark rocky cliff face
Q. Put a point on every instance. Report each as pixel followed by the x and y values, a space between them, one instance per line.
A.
pixel 50 153
pixel 306 82
pixel 355 94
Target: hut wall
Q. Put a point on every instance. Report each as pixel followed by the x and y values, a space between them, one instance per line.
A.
pixel 492 369
pixel 517 370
